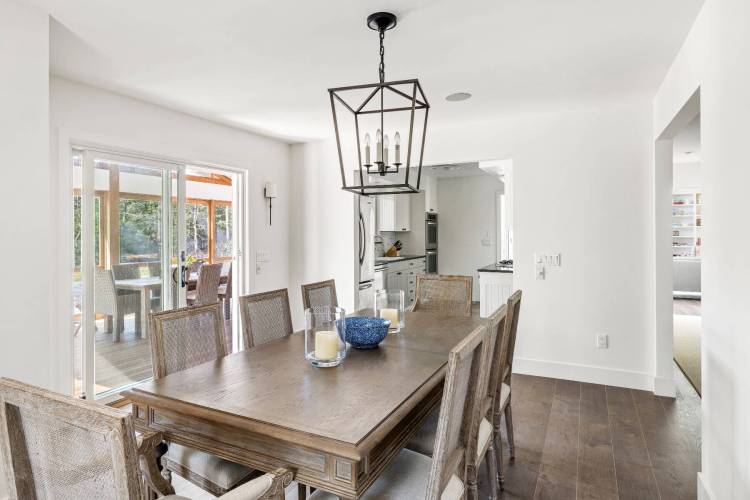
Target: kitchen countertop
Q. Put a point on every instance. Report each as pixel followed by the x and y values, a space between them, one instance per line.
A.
pixel 495 268
pixel 388 260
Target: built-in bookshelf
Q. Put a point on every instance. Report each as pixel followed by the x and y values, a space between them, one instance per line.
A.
pixel 687 224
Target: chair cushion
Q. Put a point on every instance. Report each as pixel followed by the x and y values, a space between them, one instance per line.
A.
pixel 405 478
pixel 483 437
pixel 223 473
pixel 504 394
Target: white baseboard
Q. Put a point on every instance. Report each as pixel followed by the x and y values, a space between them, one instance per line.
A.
pixel 665 387
pixel 584 373
pixel 703 490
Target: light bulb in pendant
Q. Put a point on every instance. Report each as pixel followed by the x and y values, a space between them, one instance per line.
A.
pixel 385 149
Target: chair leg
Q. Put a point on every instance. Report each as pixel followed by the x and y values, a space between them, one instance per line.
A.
pixel 509 428
pixel 109 324
pixel 472 491
pixel 490 461
pixel 498 450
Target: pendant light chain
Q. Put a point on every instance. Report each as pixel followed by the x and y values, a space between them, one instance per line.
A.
pixel 382 56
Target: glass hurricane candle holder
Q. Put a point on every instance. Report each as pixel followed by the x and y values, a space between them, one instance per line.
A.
pixel 325 331
pixel 390 305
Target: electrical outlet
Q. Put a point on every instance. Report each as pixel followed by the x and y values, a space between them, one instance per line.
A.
pixel 602 341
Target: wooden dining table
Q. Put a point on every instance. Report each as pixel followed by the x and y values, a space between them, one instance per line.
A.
pixel 336 428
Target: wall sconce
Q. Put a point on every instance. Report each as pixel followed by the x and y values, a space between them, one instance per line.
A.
pixel 270 191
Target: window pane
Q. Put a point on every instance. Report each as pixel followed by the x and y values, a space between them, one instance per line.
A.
pixel 196 230
pixel 223 230
pixel 140 230
pixel 77 231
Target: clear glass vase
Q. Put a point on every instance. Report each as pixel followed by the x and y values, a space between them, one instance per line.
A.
pixel 325 331
pixel 389 304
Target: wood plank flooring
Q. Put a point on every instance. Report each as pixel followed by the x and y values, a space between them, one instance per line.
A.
pixel 587 441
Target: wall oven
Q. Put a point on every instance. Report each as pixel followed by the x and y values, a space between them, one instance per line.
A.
pixel 431 261
pixel 431 231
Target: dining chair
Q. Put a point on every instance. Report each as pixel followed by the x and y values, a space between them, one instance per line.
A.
pixel 194 268
pixel 511 328
pixel 113 305
pixel 443 294
pixel 128 271
pixel 265 317
pixel 225 293
pixel 423 440
pixel 322 293
pixel 413 475
pixel 207 289
pixel 56 446
pixel 180 339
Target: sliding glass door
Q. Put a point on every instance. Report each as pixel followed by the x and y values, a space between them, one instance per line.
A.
pixel 129 251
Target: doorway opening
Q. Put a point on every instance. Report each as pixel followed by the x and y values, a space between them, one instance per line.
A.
pixel 687 240
pixel 678 240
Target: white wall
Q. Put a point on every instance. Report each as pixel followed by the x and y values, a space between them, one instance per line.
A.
pixel 26 348
pixel 687 177
pixel 95 115
pixel 322 242
pixel 467 216
pixel 715 58
pixel 25 211
pixel 582 187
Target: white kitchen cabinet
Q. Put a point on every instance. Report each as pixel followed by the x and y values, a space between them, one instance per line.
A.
pixel 430 194
pixel 402 275
pixel 394 212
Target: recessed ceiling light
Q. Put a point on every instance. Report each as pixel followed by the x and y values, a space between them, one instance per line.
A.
pixel 458 96
pixel 688 152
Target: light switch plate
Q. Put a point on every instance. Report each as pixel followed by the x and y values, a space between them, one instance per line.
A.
pixel 602 341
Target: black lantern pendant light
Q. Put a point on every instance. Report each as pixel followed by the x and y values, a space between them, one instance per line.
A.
pixel 382 110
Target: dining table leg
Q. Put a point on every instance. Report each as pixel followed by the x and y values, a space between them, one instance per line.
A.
pixel 145 309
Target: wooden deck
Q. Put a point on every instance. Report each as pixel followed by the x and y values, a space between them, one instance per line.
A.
pixel 121 363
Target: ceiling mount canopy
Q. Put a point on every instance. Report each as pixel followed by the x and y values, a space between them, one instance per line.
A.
pixel 387 110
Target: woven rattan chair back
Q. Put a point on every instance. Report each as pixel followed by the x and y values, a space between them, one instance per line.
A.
pixel 265 317
pixel 153 269
pixel 465 384
pixel 186 337
pixel 127 271
pixel 58 447
pixel 207 288
pixel 511 325
pixel 442 294
pixel 322 293
pixel 499 352
pixel 105 293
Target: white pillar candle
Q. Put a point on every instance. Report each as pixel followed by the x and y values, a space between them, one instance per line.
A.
pixel 326 345
pixel 391 315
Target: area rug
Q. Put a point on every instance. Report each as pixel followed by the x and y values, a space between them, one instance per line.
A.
pixel 687 347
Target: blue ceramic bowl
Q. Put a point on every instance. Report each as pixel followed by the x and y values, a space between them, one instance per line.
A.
pixel 366 333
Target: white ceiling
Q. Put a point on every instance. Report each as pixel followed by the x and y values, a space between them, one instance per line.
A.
pixel 265 65
pixel 687 144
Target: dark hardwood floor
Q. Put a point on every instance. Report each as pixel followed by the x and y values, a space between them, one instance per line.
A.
pixel 587 441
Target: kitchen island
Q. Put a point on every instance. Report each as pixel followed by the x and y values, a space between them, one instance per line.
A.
pixel 495 286
pixel 399 273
